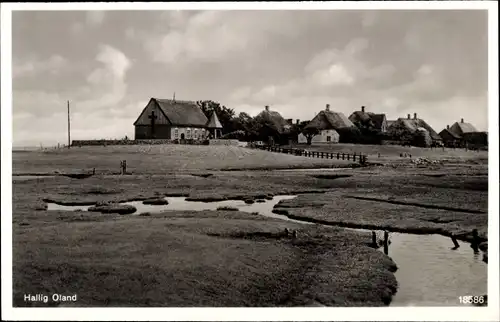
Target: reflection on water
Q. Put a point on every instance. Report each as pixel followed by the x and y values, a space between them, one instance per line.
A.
pixel 314 169
pixel 53 206
pixel 179 203
pixel 429 272
pixel 27 177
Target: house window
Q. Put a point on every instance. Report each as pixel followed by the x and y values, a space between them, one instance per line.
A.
pixel 188 134
pixel 328 139
pixel 176 133
pixel 196 133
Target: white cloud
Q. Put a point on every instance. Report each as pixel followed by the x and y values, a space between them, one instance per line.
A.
pixel 203 37
pixel 336 74
pixel 95 17
pixel 107 82
pixel 53 65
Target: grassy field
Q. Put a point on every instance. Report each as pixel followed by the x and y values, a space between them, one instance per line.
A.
pixel 159 159
pixel 393 152
pixel 227 258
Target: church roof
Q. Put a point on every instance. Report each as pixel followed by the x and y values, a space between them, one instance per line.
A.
pixel 214 122
pixel 181 113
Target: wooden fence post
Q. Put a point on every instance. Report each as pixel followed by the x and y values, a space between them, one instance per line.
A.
pixel 343 156
pixel 348 156
pixel 386 242
pixel 354 157
pixel 338 155
pixel 455 242
pixel 475 241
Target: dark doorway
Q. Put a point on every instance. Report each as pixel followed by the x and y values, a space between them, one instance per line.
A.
pixel 182 136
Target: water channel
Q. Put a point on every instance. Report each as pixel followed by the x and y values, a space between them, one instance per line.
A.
pixel 429 272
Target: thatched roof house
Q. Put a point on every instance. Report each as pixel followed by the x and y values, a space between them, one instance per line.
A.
pixel 462 128
pixel 275 119
pixel 406 129
pixel 363 119
pixel 449 138
pixel 328 119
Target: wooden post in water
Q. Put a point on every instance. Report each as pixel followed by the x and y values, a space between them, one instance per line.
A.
pixel 455 242
pixel 93 171
pixel 374 239
pixel 354 157
pixel 475 241
pixel 386 242
pixel 338 155
pixel 343 156
pixel 348 156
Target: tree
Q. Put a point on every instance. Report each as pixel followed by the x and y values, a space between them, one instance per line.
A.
pixel 224 114
pixel 247 124
pixel 310 133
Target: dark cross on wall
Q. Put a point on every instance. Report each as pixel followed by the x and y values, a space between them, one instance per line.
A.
pixel 153 118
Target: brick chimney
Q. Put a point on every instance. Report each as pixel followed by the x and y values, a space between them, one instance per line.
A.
pixel 414 116
pixel 327 107
pixel 447 127
pixel 409 116
pixel 267 108
pixel 297 121
pixel 462 120
pixel 362 109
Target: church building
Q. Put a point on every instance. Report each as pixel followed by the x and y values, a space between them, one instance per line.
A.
pixel 175 120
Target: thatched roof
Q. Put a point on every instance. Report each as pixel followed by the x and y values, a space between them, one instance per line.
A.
pixel 274 118
pixel 447 134
pixel 326 120
pixel 460 128
pixel 180 113
pixel 368 118
pixel 390 122
pixel 413 124
pixel 214 122
pixel 361 117
pixel 378 120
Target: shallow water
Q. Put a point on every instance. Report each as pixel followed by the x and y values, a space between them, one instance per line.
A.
pixel 429 272
pixel 314 169
pixel 27 177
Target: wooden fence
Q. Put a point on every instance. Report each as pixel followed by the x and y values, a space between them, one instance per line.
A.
pixel 316 154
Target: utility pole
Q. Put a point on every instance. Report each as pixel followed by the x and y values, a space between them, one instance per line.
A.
pixel 69 136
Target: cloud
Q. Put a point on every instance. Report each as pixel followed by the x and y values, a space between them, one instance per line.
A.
pixel 95 18
pixel 107 84
pixel 105 90
pixel 30 68
pixel 204 36
pixel 397 62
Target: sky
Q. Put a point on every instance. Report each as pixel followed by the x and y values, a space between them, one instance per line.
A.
pixel 108 64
